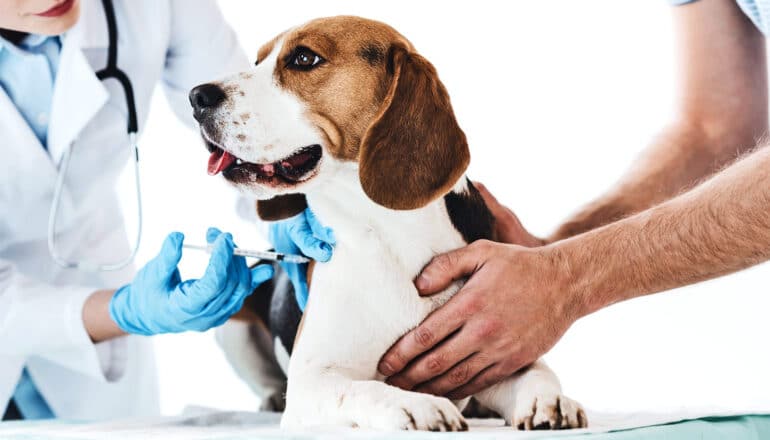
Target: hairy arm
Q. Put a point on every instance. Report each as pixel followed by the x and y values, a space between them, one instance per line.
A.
pixel 719 227
pixel 663 226
pixel 471 342
pixel 721 113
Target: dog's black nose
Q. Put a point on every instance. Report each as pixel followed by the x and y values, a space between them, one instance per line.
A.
pixel 206 97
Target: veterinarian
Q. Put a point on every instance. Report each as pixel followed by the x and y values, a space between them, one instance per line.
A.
pixel 687 211
pixel 61 347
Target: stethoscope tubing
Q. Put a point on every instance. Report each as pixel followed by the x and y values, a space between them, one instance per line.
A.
pixel 112 71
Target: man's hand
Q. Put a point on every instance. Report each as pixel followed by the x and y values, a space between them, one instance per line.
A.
pixel 507 226
pixel 518 302
pixel 510 312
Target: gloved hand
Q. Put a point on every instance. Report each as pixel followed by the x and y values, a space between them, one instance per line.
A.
pixel 302 234
pixel 158 301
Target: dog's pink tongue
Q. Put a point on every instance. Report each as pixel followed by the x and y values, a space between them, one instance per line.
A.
pixel 219 161
pixel 267 170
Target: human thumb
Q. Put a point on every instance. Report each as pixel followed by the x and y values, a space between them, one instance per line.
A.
pixel 260 274
pixel 170 254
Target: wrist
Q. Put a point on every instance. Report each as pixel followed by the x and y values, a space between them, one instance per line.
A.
pixel 568 278
pixel 124 316
pixel 97 317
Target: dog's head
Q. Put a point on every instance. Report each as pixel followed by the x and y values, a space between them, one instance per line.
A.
pixel 333 93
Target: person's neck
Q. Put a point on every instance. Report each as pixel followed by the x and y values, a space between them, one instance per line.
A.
pixel 15 37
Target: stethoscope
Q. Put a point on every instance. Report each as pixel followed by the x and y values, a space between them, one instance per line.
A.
pixel 112 71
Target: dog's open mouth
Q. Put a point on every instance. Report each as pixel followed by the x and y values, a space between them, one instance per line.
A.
pixel 289 170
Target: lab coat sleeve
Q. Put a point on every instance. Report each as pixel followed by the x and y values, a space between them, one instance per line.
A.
pixel 202 48
pixel 38 319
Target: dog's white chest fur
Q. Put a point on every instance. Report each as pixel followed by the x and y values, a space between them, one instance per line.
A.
pixel 365 294
pixel 363 300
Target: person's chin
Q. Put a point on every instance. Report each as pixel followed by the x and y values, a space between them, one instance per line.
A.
pixel 58 25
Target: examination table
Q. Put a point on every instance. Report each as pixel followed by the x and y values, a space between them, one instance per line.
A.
pixel 208 424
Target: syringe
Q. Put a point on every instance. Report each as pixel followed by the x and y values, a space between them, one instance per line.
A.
pixel 262 255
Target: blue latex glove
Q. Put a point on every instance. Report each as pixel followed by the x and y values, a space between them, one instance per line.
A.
pixel 302 234
pixel 158 301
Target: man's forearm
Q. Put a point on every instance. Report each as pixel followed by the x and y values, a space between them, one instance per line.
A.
pixel 719 227
pixel 679 158
pixel 721 111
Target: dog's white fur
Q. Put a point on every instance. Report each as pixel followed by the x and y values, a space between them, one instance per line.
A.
pixel 363 300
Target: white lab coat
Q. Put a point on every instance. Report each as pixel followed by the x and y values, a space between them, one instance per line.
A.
pixel 179 43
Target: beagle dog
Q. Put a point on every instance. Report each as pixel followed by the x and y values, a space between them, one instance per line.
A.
pixel 343 115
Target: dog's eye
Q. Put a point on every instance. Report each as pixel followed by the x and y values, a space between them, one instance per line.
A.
pixel 304 59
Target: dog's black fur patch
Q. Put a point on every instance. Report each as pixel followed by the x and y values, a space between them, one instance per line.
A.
pixel 277 307
pixel 285 314
pixel 470 215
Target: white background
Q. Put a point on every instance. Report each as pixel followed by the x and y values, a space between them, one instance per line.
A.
pixel 556 98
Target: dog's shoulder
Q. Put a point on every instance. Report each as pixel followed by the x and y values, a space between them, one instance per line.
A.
pixel 469 214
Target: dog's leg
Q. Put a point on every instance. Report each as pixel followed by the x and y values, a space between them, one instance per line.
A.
pixel 248 347
pixel 532 399
pixel 329 398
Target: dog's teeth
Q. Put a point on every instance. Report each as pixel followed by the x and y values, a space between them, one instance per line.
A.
pixel 238 161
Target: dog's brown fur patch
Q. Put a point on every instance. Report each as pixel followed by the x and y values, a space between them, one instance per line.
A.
pixel 281 207
pixel 415 150
pixel 344 94
pixel 378 102
pixel 267 48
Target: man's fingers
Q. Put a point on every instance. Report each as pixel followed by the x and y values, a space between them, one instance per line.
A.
pixel 434 363
pixel 434 329
pixel 458 376
pixel 491 375
pixel 501 213
pixel 445 268
pixel 489 199
pixel 509 228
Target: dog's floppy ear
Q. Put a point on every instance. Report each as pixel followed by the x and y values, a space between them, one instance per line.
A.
pixel 281 207
pixel 414 151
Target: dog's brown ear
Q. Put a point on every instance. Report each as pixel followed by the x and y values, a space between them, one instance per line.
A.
pixel 281 207
pixel 414 151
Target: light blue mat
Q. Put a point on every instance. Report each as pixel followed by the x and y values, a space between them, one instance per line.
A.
pixel 711 428
pixel 242 426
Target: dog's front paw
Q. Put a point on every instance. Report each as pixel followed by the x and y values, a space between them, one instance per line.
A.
pixel 554 411
pixel 274 402
pixel 413 411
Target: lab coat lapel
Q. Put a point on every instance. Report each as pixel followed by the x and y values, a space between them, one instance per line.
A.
pixel 22 151
pixel 78 93
pixel 78 96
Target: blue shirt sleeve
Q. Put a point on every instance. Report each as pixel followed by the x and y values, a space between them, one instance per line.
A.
pixel 757 10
